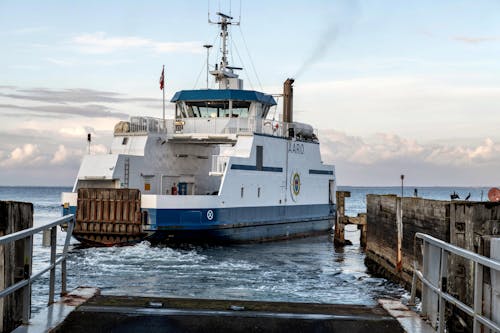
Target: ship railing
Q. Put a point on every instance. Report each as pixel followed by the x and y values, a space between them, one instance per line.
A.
pixel 435 261
pixel 149 125
pixel 55 259
pixel 219 165
pixel 222 125
pixel 230 126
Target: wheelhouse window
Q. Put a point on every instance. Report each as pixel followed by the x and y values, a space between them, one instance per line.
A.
pixel 215 109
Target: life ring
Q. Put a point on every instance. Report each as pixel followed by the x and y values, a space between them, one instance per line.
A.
pixel 274 125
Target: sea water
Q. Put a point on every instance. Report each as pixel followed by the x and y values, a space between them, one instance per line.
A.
pixel 300 270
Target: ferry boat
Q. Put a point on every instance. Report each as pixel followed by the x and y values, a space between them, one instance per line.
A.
pixel 221 171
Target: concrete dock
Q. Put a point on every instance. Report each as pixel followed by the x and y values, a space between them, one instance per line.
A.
pixel 85 310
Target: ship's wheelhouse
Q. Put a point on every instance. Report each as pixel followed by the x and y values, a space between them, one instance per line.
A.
pixel 229 103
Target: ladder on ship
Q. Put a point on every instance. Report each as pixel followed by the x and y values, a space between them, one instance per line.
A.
pixel 126 175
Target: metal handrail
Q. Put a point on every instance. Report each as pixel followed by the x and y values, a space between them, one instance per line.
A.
pixel 479 263
pixel 28 233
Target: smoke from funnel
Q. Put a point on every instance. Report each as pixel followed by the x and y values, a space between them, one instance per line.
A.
pixel 342 15
pixel 325 42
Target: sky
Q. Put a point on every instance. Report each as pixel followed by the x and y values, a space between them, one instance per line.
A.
pixel 393 87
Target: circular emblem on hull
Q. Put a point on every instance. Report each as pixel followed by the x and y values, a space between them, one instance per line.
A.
pixel 295 185
pixel 210 215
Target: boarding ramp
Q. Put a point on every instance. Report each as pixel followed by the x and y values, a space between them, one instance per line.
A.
pixel 108 216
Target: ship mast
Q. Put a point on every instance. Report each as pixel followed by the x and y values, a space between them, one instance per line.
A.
pixel 223 73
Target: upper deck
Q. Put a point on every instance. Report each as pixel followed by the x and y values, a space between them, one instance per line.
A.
pixel 216 116
pixel 204 128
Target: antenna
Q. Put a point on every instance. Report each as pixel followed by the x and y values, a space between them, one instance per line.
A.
pixel 240 12
pixel 207 46
pixel 224 72
pixel 208 10
pixel 224 22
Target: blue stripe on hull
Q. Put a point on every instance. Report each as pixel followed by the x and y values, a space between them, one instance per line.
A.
pixel 243 223
pixel 199 218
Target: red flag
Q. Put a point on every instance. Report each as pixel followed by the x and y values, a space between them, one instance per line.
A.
pixel 162 78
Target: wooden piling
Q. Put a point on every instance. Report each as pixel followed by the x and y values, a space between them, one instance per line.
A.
pixel 342 221
pixel 15 263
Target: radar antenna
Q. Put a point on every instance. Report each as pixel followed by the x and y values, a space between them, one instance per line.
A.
pixel 224 74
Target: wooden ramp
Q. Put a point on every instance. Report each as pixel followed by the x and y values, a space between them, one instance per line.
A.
pixel 108 216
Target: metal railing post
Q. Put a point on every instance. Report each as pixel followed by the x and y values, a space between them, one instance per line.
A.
pixel 441 305
pixel 413 293
pixel 28 248
pixel 425 295
pixel 478 295
pixel 69 232
pixel 52 281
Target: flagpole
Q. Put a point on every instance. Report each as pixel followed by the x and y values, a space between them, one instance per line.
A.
pixel 163 99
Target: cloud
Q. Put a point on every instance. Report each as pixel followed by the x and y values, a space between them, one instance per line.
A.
pixel 64 96
pixel 475 40
pixel 61 62
pixel 73 62
pixel 384 147
pixel 485 153
pixel 378 160
pixel 60 155
pixel 99 43
pixel 90 110
pixel 26 154
pixel 41 102
pixel 27 30
pixel 63 154
pixel 78 132
pixel 380 147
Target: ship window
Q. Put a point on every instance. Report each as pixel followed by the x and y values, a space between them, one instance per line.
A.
pixel 217 109
pixel 258 192
pixel 125 141
pixel 242 189
pixel 240 112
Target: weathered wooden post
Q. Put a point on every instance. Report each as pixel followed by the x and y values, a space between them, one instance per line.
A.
pixel 339 237
pixel 364 228
pixel 15 263
pixel 399 233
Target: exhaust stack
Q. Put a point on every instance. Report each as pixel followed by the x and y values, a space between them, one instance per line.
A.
pixel 288 101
